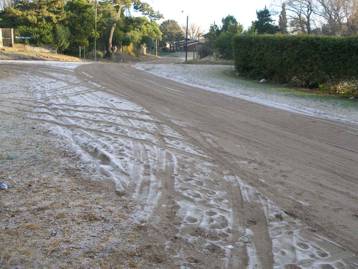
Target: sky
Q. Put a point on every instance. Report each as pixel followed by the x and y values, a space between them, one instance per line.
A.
pixel 204 12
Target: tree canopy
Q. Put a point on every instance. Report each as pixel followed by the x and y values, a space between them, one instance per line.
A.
pixel 220 38
pixel 66 25
pixel 264 23
pixel 171 31
pixel 230 24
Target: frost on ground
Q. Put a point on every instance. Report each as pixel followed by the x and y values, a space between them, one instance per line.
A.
pixel 218 78
pixel 174 207
pixel 64 65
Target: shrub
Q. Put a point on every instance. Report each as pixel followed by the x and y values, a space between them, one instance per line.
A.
pixel 343 88
pixel 62 37
pixel 305 60
pixel 99 53
pixel 204 50
pixel 224 45
pixel 39 35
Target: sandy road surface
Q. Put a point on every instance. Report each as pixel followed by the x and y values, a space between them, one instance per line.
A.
pixel 217 182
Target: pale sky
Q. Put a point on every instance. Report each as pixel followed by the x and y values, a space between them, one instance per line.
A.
pixel 204 12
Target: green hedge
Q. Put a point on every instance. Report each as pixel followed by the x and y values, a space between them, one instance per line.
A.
pixel 305 60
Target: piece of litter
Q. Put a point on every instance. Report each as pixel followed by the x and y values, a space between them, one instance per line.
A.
pixel 263 81
pixel 3 186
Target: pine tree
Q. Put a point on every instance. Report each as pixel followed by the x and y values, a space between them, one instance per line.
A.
pixel 264 23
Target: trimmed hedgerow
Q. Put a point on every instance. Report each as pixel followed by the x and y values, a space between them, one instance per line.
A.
pixel 304 60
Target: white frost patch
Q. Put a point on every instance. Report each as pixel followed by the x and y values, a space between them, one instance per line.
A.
pixel 206 214
pixel 292 243
pixel 254 262
pixel 214 79
pixel 65 65
pixel 155 166
pixel 104 130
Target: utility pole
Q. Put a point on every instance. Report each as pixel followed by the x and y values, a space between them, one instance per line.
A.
pixel 156 47
pixel 186 39
pixel 95 32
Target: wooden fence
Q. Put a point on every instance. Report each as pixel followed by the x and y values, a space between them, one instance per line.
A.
pixel 6 37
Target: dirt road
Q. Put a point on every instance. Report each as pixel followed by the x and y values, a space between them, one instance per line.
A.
pixel 218 182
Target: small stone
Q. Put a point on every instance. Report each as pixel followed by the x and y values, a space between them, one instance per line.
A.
pixel 327 266
pixel 11 157
pixel 3 186
pixel 322 254
pixel 193 260
pixel 303 245
pixel 245 239
pixel 212 248
pixel 292 266
pixel 291 214
pixel 251 222
pixel 53 233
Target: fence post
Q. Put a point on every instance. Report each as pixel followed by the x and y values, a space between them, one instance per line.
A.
pixel 156 47
pixel 12 37
pixel 1 43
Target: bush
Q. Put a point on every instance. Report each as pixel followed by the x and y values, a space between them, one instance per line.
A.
pixel 100 54
pixel 224 45
pixel 204 50
pixel 305 60
pixel 39 35
pixel 343 88
pixel 62 37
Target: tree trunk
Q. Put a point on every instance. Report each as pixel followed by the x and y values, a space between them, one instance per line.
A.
pixel 308 25
pixel 110 40
pixel 111 33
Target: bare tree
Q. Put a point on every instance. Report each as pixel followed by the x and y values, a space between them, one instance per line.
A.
pixel 352 22
pixel 301 14
pixel 194 32
pixel 332 17
pixel 283 20
pixel 6 3
pixel 338 15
